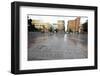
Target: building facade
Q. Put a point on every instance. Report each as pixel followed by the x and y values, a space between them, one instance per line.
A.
pixel 73 25
pixel 60 24
pixel 41 26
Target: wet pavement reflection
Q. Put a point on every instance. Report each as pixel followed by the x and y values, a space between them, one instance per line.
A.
pixel 48 46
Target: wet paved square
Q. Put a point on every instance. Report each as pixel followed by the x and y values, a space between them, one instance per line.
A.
pixel 49 46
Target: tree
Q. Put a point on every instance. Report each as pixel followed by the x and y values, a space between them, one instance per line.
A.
pixel 51 29
pixel 85 26
pixel 31 27
pixel 29 22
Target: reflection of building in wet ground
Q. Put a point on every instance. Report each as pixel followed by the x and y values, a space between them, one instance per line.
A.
pixel 47 46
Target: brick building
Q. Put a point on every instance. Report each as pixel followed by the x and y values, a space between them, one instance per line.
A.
pixel 73 25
